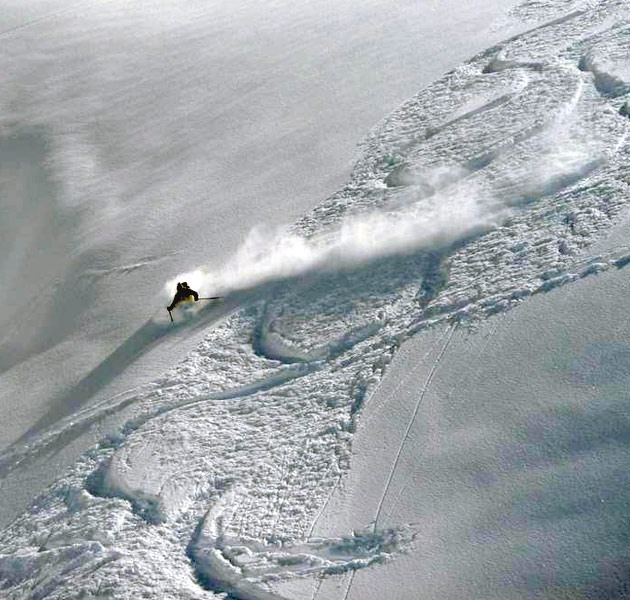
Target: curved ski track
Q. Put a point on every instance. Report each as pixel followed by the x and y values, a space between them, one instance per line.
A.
pixel 228 460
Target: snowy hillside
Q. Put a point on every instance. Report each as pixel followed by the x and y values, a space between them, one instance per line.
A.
pixel 141 138
pixel 500 181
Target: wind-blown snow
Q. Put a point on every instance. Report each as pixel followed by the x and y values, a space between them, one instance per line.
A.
pixel 486 187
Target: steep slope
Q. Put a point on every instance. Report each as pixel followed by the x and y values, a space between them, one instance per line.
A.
pixel 142 138
pixel 485 188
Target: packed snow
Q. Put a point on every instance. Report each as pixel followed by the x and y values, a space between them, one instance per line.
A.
pixel 496 183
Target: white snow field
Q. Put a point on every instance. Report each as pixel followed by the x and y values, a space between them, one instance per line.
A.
pixel 362 415
pixel 139 139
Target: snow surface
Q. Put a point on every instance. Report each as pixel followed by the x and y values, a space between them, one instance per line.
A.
pixel 284 458
pixel 516 486
pixel 141 139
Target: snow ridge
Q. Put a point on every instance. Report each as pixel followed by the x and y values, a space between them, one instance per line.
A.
pixel 486 187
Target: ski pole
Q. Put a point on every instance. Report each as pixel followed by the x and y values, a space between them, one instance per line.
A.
pixel 211 298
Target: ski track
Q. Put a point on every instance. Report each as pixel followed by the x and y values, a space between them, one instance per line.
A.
pixel 215 483
pixel 401 446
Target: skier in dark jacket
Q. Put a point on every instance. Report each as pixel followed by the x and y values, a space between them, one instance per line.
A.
pixel 183 293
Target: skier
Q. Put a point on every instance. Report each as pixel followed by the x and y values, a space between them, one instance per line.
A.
pixel 183 293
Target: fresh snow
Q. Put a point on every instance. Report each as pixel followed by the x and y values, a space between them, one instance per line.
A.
pixel 142 139
pixel 515 485
pixel 286 457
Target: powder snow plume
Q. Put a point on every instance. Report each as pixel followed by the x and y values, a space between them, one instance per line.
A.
pixel 275 255
pixel 428 207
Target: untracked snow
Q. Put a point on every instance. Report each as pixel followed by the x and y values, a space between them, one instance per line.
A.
pixel 491 185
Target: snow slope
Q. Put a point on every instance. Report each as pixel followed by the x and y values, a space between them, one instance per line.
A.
pixel 140 139
pixel 493 184
pixel 513 470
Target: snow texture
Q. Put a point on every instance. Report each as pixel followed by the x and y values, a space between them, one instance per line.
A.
pixel 485 188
